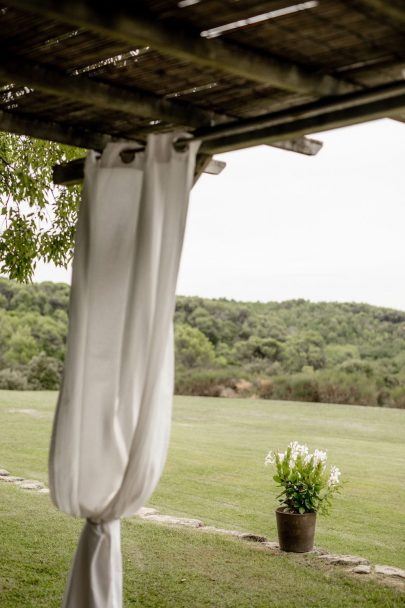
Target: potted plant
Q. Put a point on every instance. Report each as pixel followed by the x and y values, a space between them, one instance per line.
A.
pixel 307 489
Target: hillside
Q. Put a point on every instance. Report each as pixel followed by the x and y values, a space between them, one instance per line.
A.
pixel 330 352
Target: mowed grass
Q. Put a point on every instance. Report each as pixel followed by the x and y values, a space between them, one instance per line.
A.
pixel 215 472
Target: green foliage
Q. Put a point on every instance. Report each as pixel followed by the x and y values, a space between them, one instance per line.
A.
pixel 300 387
pixel 296 350
pixel 340 353
pixel 13 380
pixel 207 382
pixel 193 348
pixel 21 347
pixel 33 327
pixel 259 348
pixel 38 218
pixel 306 486
pixel 44 373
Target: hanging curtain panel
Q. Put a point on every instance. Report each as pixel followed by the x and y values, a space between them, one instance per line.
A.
pixel 112 421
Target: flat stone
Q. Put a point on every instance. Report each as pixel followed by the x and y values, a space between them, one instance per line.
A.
pixel 362 569
pixel 255 538
pixel 343 560
pixel 318 551
pixel 11 479
pixel 31 484
pixel 43 491
pixel 175 521
pixel 224 531
pixel 28 412
pixel 390 571
pixel 4 473
pixel 146 511
pixel 271 545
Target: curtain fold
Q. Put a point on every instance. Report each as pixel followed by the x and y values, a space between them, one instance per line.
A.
pixel 112 422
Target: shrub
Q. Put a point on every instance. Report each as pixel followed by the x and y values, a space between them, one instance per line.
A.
pixel 297 387
pixel 340 387
pixel 398 397
pixel 193 349
pixel 44 373
pixel 206 383
pixel 13 380
pixel 265 388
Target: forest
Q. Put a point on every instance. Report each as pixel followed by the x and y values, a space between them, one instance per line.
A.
pixel 293 350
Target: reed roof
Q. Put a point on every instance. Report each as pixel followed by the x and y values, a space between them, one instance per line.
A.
pixel 84 72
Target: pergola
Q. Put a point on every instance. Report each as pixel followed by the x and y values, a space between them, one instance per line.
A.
pixel 227 74
pixel 232 73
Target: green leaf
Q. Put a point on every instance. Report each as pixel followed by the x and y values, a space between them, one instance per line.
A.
pixel 41 217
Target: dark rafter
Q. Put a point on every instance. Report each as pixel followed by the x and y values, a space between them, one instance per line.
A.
pixel 302 145
pixel 139 104
pixel 82 89
pixel 72 173
pixel 271 129
pixel 312 109
pixel 136 27
pixel 393 10
pixel 323 121
pixel 51 131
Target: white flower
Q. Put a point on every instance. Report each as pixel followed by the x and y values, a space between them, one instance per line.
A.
pixel 319 456
pixel 270 458
pixel 334 476
pixel 297 449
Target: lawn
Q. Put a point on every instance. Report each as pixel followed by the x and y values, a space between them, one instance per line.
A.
pixel 215 473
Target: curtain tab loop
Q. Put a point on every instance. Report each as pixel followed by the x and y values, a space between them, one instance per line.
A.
pixel 180 145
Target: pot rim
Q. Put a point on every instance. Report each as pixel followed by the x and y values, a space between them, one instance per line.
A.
pixel 284 512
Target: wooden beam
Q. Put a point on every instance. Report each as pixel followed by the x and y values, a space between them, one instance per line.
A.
pixel 312 109
pixel 334 114
pixel 83 138
pixel 82 89
pixel 303 145
pixel 86 90
pixel 215 167
pixel 51 131
pixel 133 26
pixel 323 121
pixel 393 10
pixel 72 173
pixel 69 174
pixel 202 162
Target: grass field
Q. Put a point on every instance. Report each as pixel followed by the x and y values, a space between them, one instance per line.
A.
pixel 215 473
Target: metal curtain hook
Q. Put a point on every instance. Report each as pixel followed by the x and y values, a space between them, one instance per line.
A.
pixel 128 155
pixel 180 145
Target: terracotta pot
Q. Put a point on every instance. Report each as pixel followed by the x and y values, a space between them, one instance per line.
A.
pixel 296 531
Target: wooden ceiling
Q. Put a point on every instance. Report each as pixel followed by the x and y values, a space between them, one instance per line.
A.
pixel 234 73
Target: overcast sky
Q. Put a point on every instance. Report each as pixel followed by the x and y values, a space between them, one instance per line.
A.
pixel 277 225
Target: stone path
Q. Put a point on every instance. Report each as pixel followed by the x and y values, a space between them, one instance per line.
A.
pixel 356 565
pixel 24 484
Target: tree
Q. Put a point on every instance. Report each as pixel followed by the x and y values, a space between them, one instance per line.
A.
pixel 193 349
pixel 21 347
pixel 259 348
pixel 44 373
pixel 38 218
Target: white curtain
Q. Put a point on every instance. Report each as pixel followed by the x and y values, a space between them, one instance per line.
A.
pixel 112 421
